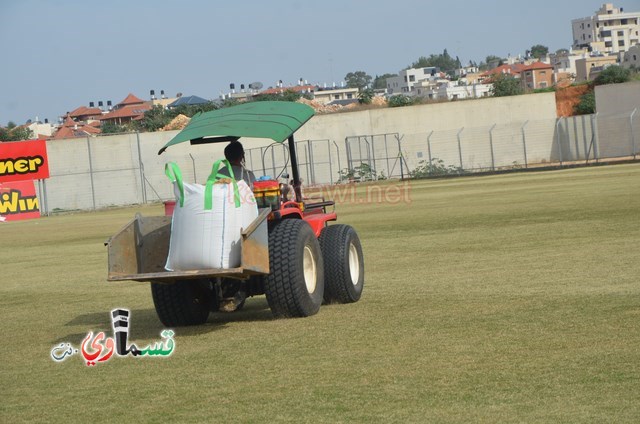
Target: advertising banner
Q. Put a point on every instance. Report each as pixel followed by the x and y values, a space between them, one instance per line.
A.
pixel 23 160
pixel 18 201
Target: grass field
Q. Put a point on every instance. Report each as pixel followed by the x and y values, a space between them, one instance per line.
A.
pixel 510 298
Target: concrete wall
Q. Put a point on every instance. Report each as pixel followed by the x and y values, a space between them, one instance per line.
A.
pixel 617 98
pixel 618 126
pixel 94 172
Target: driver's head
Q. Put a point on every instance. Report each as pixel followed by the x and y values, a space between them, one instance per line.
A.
pixel 234 152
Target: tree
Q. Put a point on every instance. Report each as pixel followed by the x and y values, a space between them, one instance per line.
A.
pixel 491 62
pixel 155 118
pixel 613 75
pixel 400 100
pixel 365 96
pixel 112 128
pixel 539 51
pixel 587 104
pixel 380 82
pixel 15 133
pixel 286 96
pixel 442 61
pixel 506 85
pixel 358 79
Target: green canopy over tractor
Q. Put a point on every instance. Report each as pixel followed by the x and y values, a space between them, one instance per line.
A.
pixel 274 120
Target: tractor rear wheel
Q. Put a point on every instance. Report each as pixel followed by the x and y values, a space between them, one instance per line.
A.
pixel 185 302
pixel 343 264
pixel 295 285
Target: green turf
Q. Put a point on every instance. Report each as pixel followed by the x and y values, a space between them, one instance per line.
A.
pixel 511 298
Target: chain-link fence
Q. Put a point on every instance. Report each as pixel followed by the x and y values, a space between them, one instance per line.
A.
pixel 96 172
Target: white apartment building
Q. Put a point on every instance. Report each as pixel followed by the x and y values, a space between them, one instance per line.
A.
pixel 610 30
pixel 405 81
pixel 450 90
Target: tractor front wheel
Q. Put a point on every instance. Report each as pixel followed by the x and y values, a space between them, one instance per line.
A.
pixel 185 302
pixel 295 285
pixel 343 264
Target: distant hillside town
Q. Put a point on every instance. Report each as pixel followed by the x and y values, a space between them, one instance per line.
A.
pixel 608 38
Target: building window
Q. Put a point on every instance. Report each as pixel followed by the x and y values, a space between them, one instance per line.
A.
pixel 608 44
pixel 349 96
pixel 543 72
pixel 412 78
pixel 620 43
pixel 336 97
pixel 620 33
pixel 605 34
pixel 588 25
pixel 634 58
pixel 543 84
pixel 623 22
pixel 405 78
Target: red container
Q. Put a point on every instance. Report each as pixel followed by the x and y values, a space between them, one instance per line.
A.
pixel 169 205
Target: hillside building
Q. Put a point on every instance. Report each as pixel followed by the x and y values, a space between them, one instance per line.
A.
pixel 610 30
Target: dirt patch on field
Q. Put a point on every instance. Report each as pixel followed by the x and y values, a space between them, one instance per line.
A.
pixel 567 99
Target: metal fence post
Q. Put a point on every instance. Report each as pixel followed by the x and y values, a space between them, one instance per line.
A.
pixel 460 148
pixel 524 144
pixel 594 136
pixel 348 149
pixel 338 154
pixel 143 185
pixel 584 139
pixel 575 141
pixel 558 139
pixel 93 191
pixel 193 165
pixel 398 137
pixel 429 150
pixel 633 136
pixel 493 158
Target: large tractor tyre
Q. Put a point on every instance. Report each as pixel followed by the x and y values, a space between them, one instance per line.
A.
pixel 343 264
pixel 295 285
pixel 185 302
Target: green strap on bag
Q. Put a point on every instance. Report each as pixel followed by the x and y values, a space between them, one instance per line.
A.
pixel 172 171
pixel 174 174
pixel 216 176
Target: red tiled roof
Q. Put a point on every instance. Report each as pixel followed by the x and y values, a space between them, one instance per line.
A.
pixel 130 100
pixel 537 65
pixel 85 111
pixel 514 69
pixel 71 131
pixel 132 111
pixel 296 88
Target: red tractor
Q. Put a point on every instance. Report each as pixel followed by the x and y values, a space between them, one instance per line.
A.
pixel 289 253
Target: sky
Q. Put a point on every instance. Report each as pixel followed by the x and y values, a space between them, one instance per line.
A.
pixel 59 55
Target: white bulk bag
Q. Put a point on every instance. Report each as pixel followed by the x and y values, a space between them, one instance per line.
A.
pixel 207 221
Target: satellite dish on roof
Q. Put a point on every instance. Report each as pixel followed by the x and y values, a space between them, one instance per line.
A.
pixel 255 85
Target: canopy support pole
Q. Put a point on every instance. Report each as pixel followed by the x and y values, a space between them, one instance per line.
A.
pixel 294 166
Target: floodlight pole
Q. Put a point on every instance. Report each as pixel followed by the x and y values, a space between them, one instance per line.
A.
pixel 294 166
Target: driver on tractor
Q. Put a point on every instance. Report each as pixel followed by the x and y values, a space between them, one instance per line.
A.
pixel 234 153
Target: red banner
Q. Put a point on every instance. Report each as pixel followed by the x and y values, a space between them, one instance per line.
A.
pixel 23 160
pixel 18 201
